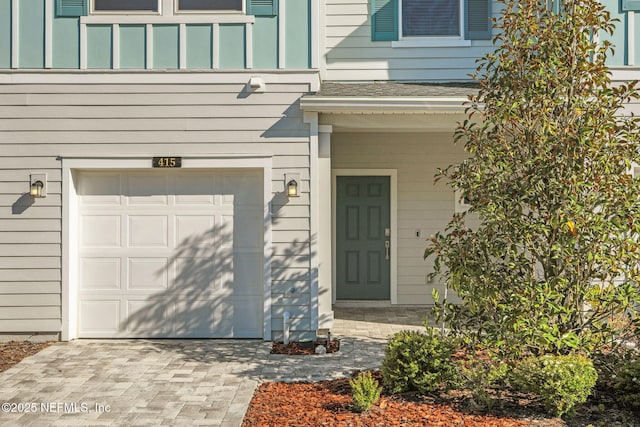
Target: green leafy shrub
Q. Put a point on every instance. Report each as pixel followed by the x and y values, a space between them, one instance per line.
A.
pixel 366 391
pixel 416 361
pixel 627 384
pixel 553 220
pixel 560 382
pixel 480 375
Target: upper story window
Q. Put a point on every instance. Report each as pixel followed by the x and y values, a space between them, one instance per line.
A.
pixel 160 7
pixel 209 5
pixel 125 5
pixel 432 18
pixel 393 20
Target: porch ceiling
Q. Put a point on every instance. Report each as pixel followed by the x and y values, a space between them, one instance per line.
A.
pixel 392 122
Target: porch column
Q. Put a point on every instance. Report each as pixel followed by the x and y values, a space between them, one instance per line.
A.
pixel 325 315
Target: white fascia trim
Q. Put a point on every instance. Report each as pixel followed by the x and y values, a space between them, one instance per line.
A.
pixel 315 33
pixel 314 220
pixel 170 19
pixel 70 213
pixel 393 182
pixel 624 73
pixel 379 104
pixel 15 33
pixel 408 43
pixel 48 34
pixel 309 77
pixel 631 37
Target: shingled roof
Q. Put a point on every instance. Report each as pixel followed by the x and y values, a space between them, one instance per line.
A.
pixel 395 89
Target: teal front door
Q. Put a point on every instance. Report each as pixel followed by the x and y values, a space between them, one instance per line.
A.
pixel 363 227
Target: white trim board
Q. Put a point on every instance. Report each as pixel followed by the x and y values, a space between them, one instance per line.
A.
pixel 310 77
pixel 70 218
pixel 393 183
pixel 170 19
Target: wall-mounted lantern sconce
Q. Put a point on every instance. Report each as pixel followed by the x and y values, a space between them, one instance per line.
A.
pixel 292 185
pixel 38 185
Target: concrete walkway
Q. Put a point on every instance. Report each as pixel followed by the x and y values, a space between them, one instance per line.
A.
pixel 178 382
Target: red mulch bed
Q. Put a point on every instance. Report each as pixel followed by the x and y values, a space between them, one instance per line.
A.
pixel 297 348
pixel 13 352
pixel 328 404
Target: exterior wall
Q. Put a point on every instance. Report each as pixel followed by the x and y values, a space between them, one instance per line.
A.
pixel 351 55
pixel 627 50
pixel 45 116
pixel 32 37
pixel 421 204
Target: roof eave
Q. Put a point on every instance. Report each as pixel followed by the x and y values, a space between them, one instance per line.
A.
pixel 373 105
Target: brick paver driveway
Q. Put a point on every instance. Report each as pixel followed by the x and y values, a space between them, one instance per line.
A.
pixel 159 382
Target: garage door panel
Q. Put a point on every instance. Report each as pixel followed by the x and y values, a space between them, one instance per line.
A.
pixel 148 274
pixel 99 317
pixel 222 317
pixel 195 276
pixel 195 317
pixel 195 231
pixel 100 189
pixel 147 189
pixel 195 189
pixel 100 231
pixel 147 318
pixel 148 231
pixel 177 256
pixel 100 273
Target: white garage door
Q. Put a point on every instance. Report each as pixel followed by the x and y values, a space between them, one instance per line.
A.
pixel 170 253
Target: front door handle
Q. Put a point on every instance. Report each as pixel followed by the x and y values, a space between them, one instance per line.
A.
pixel 387 245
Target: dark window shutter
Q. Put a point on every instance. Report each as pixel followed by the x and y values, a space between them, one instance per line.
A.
pixel 71 7
pixel 477 19
pixel 263 7
pixel 384 19
pixel 630 5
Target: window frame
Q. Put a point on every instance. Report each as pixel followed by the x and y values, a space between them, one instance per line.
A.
pixel 402 39
pixel 162 9
pixel 460 202
pixel 93 11
pixel 178 11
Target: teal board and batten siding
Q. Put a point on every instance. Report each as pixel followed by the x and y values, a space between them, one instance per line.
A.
pixel 265 42
pixel 133 42
pixel 232 49
pixel 297 21
pixel 5 33
pixel 99 46
pixel 199 46
pixel 66 54
pixel 271 42
pixel 31 32
pixel 166 47
pixel 129 114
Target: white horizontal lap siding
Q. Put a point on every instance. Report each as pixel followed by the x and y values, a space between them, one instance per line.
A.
pixel 30 246
pixel 351 55
pixel 40 121
pixel 421 204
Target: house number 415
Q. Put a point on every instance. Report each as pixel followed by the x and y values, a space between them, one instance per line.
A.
pixel 167 162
